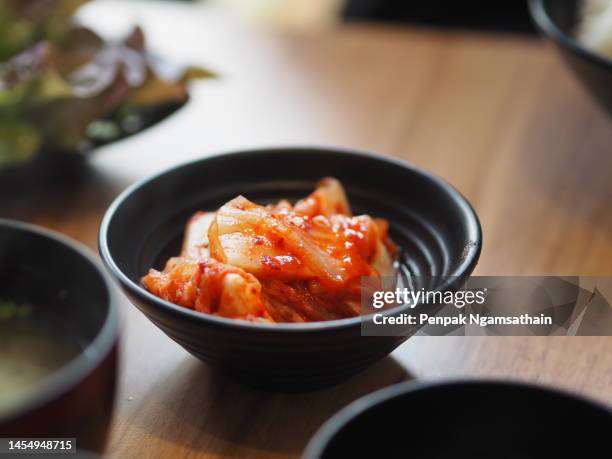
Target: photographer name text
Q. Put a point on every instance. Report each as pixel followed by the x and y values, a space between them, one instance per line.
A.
pixel 461 319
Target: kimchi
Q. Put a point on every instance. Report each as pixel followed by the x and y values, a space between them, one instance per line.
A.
pixel 284 262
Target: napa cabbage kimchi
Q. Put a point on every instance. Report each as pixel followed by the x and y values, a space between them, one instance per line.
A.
pixel 283 262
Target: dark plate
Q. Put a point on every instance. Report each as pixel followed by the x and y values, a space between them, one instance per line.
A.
pixel 475 419
pixel 72 301
pixel 50 167
pixel 436 228
pixel 557 19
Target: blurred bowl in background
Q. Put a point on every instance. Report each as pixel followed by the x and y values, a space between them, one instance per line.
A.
pixel 475 419
pixel 430 220
pixel 557 19
pixel 66 89
pixel 50 168
pixel 58 338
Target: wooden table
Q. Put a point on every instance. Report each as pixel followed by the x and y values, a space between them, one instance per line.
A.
pixel 499 117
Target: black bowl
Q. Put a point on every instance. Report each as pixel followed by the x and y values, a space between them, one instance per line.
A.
pixel 557 20
pixel 475 419
pixel 67 321
pixel 429 219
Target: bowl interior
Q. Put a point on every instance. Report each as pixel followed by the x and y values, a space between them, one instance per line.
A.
pixel 477 420
pixel 436 229
pixel 53 304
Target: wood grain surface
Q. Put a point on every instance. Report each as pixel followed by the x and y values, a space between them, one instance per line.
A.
pixel 499 117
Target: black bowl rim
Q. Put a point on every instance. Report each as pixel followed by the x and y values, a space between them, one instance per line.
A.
pixel 63 380
pixel 549 28
pixel 330 428
pixel 468 263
